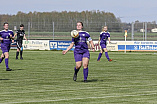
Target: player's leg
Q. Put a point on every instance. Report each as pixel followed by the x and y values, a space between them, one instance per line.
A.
pixel 7 61
pixel 100 54
pixel 6 53
pixel 17 53
pixel 106 54
pixel 2 57
pixel 78 60
pixel 18 49
pixel 21 51
pixel 86 57
pixel 85 68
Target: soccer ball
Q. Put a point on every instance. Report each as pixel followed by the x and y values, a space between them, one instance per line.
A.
pixel 74 33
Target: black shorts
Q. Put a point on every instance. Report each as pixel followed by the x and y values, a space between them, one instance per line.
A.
pixel 19 44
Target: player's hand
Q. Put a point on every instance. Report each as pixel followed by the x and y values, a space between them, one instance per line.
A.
pixel 64 52
pixel 12 41
pixel 1 39
pixel 93 49
pixel 10 36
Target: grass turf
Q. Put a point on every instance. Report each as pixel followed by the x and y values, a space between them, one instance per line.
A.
pixel 45 77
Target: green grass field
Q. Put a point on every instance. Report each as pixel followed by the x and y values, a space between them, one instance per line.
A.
pixel 45 77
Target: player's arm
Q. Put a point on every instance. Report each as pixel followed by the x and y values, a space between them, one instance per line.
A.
pixel 12 36
pixel 109 39
pixel 25 37
pixel 91 42
pixel 1 36
pixel 71 46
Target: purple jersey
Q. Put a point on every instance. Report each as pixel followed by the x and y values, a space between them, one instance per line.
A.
pixel 6 37
pixel 103 37
pixel 81 45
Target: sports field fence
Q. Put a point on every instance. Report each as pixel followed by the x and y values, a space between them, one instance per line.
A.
pixel 137 31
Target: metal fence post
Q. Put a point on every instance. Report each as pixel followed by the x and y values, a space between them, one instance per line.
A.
pixel 132 31
pixel 145 31
pixel 28 30
pixel 53 31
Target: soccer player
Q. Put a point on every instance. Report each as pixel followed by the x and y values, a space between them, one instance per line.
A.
pixel 81 53
pixel 104 36
pixel 20 35
pixel 6 36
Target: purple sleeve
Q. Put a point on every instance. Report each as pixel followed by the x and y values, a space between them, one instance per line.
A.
pixel 87 35
pixel 0 34
pixel 72 40
pixel 101 35
pixel 108 34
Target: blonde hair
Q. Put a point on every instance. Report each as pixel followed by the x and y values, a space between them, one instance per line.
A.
pixel 103 28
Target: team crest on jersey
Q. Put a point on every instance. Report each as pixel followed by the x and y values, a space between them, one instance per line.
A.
pixel 83 34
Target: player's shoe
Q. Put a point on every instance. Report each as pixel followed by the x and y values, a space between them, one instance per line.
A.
pixel 16 58
pixel 85 81
pixel 21 58
pixel 98 60
pixel 8 69
pixel 110 60
pixel 75 77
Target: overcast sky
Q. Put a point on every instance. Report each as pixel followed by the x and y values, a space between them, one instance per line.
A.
pixel 127 10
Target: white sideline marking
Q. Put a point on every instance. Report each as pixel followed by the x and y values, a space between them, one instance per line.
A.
pixel 80 98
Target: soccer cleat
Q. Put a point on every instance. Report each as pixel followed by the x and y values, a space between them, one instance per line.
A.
pixel 8 69
pixel 21 58
pixel 75 77
pixel 85 81
pixel 16 58
pixel 98 60
pixel 110 60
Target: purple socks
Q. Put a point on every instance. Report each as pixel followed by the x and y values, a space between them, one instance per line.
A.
pixel 106 54
pixel 0 60
pixel 6 63
pixel 85 72
pixel 100 54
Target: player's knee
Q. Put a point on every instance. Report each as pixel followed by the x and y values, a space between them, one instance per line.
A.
pixel 85 65
pixel 7 56
pixel 78 66
pixel 105 50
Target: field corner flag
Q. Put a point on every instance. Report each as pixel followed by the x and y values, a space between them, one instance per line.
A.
pixel 126 34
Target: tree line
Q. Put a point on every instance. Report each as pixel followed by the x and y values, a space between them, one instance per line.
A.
pixel 64 21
